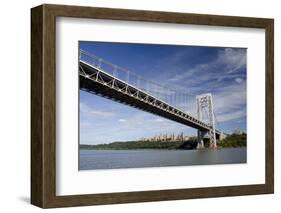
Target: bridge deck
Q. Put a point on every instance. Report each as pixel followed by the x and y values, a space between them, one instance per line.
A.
pixel 96 81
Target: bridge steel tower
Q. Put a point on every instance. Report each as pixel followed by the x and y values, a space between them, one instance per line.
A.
pixel 204 105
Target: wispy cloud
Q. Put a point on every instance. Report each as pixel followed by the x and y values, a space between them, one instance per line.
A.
pixel 230 102
pixel 233 59
pixel 239 80
pixel 222 77
pixel 102 113
pixel 224 117
pixel 158 120
pixel 228 59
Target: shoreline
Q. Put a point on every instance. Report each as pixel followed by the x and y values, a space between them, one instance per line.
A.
pixel 231 141
pixel 206 148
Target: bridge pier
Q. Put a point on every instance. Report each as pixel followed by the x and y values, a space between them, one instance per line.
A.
pixel 200 137
pixel 213 140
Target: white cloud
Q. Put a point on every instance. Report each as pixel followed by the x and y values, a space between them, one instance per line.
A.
pixel 238 80
pixel 122 120
pixel 158 120
pixel 102 113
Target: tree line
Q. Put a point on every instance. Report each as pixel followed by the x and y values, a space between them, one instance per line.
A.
pixel 233 140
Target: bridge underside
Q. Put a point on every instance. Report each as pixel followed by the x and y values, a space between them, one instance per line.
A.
pixel 110 92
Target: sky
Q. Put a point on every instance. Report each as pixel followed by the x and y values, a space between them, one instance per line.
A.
pixel 220 71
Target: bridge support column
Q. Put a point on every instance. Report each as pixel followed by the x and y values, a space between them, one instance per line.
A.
pixel 200 137
pixel 213 141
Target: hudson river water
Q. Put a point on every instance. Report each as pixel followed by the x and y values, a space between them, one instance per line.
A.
pixel 114 159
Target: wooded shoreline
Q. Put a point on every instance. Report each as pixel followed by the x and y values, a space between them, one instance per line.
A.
pixel 233 140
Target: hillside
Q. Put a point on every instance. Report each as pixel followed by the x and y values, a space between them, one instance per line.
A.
pixel 234 140
pixel 190 144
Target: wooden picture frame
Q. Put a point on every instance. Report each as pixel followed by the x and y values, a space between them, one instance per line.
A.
pixel 43 105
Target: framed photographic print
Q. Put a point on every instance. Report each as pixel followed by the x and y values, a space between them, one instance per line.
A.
pixel 136 106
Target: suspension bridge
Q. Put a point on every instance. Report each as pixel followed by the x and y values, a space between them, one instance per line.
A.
pixel 103 78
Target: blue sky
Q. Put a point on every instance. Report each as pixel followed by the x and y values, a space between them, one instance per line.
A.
pixel 217 70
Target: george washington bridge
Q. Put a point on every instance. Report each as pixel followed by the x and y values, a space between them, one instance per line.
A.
pixel 108 80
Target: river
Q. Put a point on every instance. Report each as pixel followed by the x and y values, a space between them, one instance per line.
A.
pixel 114 159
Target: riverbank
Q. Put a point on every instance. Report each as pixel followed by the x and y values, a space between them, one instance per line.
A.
pixel 134 145
pixel 230 141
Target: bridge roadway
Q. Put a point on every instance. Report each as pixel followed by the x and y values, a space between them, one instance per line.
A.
pixel 96 81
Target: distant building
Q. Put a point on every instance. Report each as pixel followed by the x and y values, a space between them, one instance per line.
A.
pixel 166 138
pixel 238 132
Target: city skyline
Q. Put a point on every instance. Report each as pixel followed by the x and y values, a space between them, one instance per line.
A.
pixel 217 70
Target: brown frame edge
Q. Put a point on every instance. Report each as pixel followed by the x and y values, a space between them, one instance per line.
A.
pixel 43 105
